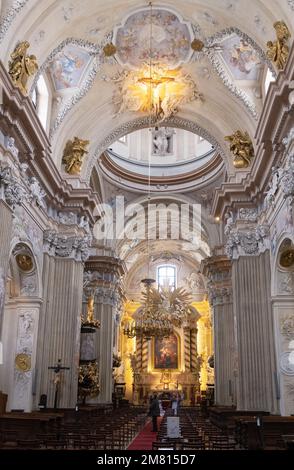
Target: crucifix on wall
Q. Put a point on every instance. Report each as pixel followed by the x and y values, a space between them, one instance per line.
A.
pixel 57 379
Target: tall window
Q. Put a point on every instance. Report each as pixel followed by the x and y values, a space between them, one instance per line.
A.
pixel 268 79
pixel 167 276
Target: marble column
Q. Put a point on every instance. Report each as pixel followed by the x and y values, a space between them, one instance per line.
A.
pixel 251 277
pixel 6 215
pixel 60 318
pixel 218 270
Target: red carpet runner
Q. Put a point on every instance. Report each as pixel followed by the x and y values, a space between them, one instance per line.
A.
pixel 145 437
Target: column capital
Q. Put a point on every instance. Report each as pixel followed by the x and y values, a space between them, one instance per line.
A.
pixel 66 245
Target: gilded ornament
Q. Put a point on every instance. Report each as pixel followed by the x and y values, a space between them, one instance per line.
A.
pixel 24 262
pixel 278 51
pixel 73 155
pixel 197 45
pixel 22 66
pixel 287 258
pixel 89 380
pixel 90 323
pixel 23 362
pixel 241 147
pixel 109 49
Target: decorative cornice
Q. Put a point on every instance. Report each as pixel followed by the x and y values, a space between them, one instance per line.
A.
pixel 66 246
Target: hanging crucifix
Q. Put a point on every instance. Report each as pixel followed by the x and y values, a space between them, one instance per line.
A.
pixel 57 370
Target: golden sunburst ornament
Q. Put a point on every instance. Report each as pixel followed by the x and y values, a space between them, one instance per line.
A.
pixel 109 49
pixel 197 45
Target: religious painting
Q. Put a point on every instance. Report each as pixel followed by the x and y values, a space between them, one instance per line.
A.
pixel 241 59
pixel 166 352
pixel 68 67
pixel 171 39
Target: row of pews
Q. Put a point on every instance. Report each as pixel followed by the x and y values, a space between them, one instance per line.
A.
pixel 88 429
pixel 254 429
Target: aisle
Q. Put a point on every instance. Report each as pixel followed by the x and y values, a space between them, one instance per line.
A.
pixel 144 439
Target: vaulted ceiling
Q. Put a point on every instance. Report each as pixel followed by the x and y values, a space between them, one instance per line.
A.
pixel 67 37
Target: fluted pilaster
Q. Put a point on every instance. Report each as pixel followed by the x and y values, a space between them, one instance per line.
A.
pixel 5 237
pixel 218 270
pixel 187 349
pixel 255 337
pixel 59 329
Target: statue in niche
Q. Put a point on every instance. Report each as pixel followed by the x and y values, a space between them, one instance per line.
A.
pixel 162 141
pixel 22 66
pixel 73 155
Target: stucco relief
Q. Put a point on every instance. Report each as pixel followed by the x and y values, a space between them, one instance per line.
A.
pixel 24 345
pixel 285 283
pixel 287 327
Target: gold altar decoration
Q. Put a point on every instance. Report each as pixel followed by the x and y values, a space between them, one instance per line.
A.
pixel 89 323
pixel 24 262
pixel 287 258
pixel 116 360
pixel 278 51
pixel 22 66
pixel 23 362
pixel 159 93
pixel 89 379
pixel 73 155
pixel 109 49
pixel 241 147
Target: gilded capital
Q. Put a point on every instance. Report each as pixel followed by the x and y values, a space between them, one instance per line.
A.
pixel 241 147
pixel 73 155
pixel 22 66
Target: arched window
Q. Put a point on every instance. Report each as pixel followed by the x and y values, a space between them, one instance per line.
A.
pixel 40 98
pixel 268 79
pixel 167 276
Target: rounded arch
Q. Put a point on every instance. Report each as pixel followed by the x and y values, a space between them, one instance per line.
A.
pixel 282 276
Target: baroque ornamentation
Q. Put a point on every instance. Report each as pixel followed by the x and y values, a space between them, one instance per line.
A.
pixel 64 246
pixel 73 155
pixel 136 92
pixel 287 178
pixel 24 262
pixel 10 145
pixel 287 363
pixel 287 258
pixel 249 242
pixel 20 190
pixel 291 4
pixel 89 380
pixel 241 147
pixel 273 187
pixel 278 51
pixel 23 362
pixel 9 16
pixel 287 327
pixel 22 66
pixel 286 283
pixel 248 214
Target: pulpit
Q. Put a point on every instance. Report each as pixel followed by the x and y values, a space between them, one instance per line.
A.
pixel 3 402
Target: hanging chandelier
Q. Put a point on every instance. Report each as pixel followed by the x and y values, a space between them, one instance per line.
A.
pixel 162 310
pixel 150 321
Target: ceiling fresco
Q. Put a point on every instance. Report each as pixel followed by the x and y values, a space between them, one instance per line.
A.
pixel 241 59
pixel 171 39
pixel 69 67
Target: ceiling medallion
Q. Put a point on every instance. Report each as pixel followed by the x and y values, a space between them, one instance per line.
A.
pixel 109 49
pixel 24 262
pixel 287 258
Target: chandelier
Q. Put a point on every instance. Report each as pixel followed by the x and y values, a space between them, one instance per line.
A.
pixel 150 321
pixel 162 310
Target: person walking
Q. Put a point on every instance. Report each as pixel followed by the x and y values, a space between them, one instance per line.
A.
pixel 154 412
pixel 174 404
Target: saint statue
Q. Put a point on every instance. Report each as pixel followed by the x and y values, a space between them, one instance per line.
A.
pixel 73 155
pixel 161 141
pixel 241 147
pixel 278 51
pixel 22 66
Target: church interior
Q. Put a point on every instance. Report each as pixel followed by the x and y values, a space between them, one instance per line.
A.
pixel 147 225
